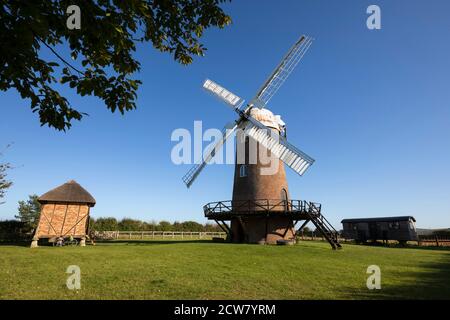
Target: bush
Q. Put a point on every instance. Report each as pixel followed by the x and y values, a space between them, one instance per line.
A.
pixel 103 224
pixel 128 224
pixel 442 233
pixel 13 230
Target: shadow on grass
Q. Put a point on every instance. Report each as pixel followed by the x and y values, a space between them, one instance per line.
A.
pixel 15 243
pixel 432 282
pixel 429 248
pixel 397 246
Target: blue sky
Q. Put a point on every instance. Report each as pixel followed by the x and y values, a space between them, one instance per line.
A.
pixel 372 107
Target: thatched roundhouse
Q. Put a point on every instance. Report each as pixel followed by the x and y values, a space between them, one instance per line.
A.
pixel 64 213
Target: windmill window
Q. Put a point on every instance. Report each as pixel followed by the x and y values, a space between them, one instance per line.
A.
pixel 243 171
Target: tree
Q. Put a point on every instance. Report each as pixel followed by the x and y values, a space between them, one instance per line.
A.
pixel 4 183
pixel 164 226
pixel 127 224
pixel 105 42
pixel 177 226
pixel 192 226
pixel 306 230
pixel 148 226
pixel 209 227
pixel 104 224
pixel 29 211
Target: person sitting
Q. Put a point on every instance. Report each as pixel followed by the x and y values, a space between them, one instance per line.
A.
pixel 91 237
pixel 59 241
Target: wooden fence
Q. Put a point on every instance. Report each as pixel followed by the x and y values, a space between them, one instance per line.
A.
pixel 146 235
pixel 435 241
pixel 186 235
pixel 423 241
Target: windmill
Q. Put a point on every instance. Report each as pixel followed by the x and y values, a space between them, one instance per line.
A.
pixel 261 210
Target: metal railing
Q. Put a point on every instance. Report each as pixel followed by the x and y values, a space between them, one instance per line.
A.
pixel 322 218
pixel 262 205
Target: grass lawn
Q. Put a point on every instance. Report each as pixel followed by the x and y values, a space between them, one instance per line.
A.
pixel 206 270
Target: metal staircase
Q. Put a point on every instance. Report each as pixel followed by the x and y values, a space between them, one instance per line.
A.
pixel 323 225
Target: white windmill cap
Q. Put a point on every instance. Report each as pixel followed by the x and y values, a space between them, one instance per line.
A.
pixel 280 122
pixel 267 118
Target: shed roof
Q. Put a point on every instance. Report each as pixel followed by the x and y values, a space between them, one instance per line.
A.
pixel 381 219
pixel 70 192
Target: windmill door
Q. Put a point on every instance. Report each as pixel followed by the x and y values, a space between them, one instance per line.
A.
pixel 285 199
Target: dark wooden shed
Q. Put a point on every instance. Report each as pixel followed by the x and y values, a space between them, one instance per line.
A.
pixel 401 229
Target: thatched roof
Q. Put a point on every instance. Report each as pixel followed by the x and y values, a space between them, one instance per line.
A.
pixel 70 192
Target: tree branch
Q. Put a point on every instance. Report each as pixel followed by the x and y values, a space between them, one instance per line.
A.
pixel 57 54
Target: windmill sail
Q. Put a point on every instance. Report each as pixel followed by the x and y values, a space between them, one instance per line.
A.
pixel 193 173
pixel 282 71
pixel 223 94
pixel 279 146
pixel 296 159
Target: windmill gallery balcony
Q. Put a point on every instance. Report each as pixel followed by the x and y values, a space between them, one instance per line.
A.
pixel 243 212
pixel 295 209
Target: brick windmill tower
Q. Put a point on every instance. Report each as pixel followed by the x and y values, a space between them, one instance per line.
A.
pixel 261 210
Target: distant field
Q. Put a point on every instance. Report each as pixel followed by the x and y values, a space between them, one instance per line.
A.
pixel 206 270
